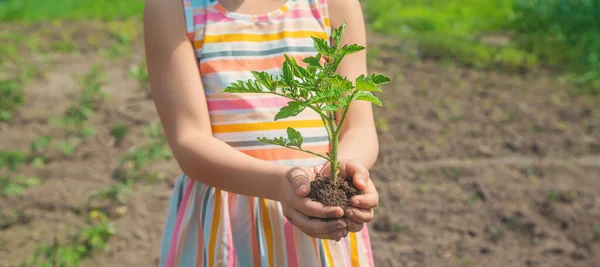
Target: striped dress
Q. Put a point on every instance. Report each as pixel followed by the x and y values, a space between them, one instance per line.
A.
pixel 206 226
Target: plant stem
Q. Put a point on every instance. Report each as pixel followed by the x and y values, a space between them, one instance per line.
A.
pixel 334 147
pixel 339 129
pixel 309 152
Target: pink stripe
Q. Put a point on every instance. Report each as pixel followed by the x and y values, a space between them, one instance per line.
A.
pixel 210 16
pixel 182 209
pixel 230 249
pixel 367 242
pixel 215 16
pixel 262 18
pixel 345 251
pixel 251 103
pixel 290 243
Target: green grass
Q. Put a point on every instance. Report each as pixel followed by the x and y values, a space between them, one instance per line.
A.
pixel 456 17
pixel 560 34
pixel 40 10
pixel 451 29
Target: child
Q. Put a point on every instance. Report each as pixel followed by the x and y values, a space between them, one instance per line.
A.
pixel 241 202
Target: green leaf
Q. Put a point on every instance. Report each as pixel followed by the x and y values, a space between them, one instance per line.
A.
pixel 344 51
pixel 331 107
pixel 321 46
pixel 337 34
pixel 380 79
pixel 345 100
pixel 292 109
pixel 322 97
pixel 365 84
pixel 279 141
pixel 288 75
pixel 338 81
pixel 350 49
pixel 294 137
pixel 265 79
pixel 249 86
pixel 313 61
pixel 303 73
pixel 367 96
pixel 291 60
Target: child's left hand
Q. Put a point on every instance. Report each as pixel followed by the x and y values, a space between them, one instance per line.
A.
pixel 361 207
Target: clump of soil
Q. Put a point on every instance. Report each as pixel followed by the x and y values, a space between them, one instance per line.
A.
pixel 332 194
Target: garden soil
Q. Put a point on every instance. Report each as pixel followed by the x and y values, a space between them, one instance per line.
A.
pixel 476 168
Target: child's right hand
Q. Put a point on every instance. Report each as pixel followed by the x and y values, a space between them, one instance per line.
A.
pixel 297 208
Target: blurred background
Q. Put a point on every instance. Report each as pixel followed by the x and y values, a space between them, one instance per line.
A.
pixel 490 134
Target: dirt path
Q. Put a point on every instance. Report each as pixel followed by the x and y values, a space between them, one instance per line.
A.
pixel 475 168
pixel 515 161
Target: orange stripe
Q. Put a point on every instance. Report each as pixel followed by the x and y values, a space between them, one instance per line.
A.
pixel 284 153
pixel 244 37
pixel 242 64
pixel 354 250
pixel 327 253
pixel 264 126
pixel 327 22
pixel 220 8
pixel 215 228
pixel 268 231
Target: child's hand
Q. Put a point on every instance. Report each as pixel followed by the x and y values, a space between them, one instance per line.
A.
pixel 297 208
pixel 361 207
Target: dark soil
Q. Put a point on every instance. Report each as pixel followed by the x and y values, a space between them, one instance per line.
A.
pixel 333 194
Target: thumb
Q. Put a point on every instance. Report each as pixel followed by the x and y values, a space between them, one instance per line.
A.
pixel 300 181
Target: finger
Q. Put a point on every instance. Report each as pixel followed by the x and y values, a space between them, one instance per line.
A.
pixel 315 209
pixel 353 226
pixel 358 215
pixel 368 200
pixel 358 172
pixel 365 201
pixel 299 178
pixel 314 226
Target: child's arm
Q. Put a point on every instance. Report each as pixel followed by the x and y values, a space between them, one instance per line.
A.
pixel 181 104
pixel 359 144
pixel 358 137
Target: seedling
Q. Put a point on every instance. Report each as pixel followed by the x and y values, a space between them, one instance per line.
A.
pixel 317 87
pixel 12 97
pixel 81 245
pixel 16 185
pixel 118 132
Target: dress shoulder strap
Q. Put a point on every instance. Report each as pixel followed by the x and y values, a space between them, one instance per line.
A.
pixel 195 19
pixel 321 11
